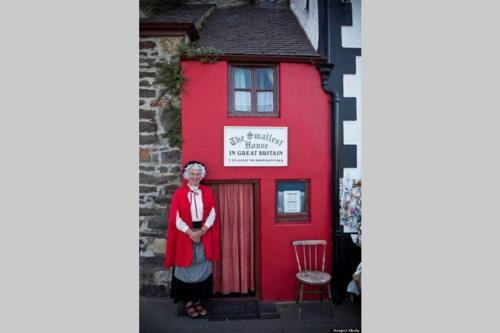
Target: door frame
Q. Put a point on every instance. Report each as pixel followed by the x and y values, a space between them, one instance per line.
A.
pixel 256 222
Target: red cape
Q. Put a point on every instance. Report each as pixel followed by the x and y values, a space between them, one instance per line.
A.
pixel 179 245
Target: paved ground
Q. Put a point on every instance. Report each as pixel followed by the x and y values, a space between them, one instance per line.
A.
pixel 159 315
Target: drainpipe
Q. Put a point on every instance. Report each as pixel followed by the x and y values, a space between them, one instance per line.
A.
pixel 325 49
pixel 325 69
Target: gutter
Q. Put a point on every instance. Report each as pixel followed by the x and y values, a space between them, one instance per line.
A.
pixel 147 29
pixel 247 58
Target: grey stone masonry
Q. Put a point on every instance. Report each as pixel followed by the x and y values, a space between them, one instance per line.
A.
pixel 148 139
pixel 159 166
pixel 148 127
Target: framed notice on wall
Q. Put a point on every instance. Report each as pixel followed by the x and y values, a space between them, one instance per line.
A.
pixel 255 146
pixel 291 201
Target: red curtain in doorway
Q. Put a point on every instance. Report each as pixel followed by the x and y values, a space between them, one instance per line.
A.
pixel 234 272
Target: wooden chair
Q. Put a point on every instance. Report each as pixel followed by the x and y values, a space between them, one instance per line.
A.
pixel 310 272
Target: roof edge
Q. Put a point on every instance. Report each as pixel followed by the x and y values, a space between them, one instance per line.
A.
pixel 263 58
pixel 167 28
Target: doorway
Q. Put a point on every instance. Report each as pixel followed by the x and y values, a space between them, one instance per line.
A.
pixel 234 274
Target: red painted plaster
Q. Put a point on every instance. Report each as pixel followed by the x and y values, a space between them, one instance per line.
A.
pixel 304 109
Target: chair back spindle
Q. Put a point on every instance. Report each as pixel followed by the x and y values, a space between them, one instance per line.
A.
pixel 304 253
pixel 309 259
pixel 297 258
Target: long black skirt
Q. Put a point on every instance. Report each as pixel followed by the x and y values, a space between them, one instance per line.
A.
pixel 199 291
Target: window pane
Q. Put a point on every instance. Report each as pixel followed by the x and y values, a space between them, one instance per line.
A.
pixel 292 202
pixel 242 78
pixel 265 79
pixel 242 100
pixel 291 186
pixel 291 197
pixel 265 101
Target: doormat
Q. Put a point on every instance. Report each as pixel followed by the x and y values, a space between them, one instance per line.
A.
pixel 233 310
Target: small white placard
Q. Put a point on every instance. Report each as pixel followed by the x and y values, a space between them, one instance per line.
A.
pixel 291 201
pixel 255 146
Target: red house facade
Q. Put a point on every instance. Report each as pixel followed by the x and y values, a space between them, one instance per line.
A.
pixel 303 109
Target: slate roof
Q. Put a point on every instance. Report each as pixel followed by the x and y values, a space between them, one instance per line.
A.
pixel 184 14
pixel 251 30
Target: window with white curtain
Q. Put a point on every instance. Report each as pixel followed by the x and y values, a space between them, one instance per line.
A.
pixel 253 90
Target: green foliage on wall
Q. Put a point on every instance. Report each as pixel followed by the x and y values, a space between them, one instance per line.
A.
pixel 207 54
pixel 171 115
pixel 169 77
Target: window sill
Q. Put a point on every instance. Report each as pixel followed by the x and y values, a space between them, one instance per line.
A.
pixel 262 115
pixel 293 219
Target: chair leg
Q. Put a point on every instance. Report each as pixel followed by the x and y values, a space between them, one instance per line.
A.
pixel 301 295
pixel 330 303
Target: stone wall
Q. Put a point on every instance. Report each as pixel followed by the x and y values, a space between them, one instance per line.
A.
pixel 159 167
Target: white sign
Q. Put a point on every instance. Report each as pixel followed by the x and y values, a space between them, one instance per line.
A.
pixel 291 201
pixel 255 146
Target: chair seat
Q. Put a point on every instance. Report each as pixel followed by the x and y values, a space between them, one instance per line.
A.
pixel 313 277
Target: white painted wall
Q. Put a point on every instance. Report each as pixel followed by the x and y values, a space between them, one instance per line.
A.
pixel 308 19
pixel 351 37
pixel 353 129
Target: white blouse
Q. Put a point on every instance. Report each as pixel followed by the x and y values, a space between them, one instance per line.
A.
pixel 195 199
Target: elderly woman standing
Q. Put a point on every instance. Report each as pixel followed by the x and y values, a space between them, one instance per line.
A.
pixel 192 241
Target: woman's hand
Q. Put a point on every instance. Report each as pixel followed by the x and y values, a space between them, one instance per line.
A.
pixel 204 229
pixel 195 235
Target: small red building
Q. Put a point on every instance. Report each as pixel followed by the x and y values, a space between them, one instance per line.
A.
pixel 260 121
